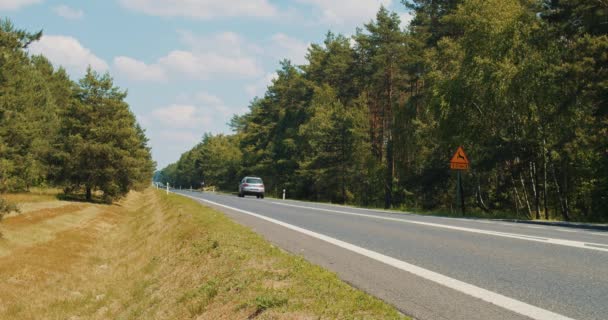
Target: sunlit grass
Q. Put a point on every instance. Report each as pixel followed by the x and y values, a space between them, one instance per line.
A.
pixel 154 256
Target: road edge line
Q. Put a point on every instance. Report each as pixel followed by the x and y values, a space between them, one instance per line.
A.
pixel 539 239
pixel 497 299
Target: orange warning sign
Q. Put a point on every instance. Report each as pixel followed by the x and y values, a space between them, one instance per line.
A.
pixel 459 160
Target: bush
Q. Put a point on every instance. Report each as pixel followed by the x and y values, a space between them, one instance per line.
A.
pixel 7 207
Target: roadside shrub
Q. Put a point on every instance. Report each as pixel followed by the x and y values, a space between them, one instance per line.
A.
pixel 7 207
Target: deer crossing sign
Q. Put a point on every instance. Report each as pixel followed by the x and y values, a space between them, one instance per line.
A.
pixel 459 160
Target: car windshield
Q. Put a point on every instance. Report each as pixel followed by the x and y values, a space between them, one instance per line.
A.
pixel 254 180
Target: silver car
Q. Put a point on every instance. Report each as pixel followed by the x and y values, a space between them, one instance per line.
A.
pixel 253 186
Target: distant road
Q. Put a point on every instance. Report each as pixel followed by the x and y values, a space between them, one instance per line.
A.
pixel 440 268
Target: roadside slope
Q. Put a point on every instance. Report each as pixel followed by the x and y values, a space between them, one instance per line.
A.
pixel 162 257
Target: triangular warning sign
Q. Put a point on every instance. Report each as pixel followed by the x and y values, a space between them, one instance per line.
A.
pixel 459 160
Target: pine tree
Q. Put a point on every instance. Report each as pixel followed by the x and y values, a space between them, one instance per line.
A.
pixel 103 148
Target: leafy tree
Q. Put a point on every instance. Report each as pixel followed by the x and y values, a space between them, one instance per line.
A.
pixel 336 136
pixel 103 147
pixel 381 50
pixel 522 84
pixel 27 111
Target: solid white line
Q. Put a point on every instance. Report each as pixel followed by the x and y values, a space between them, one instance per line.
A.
pixel 562 242
pixel 469 289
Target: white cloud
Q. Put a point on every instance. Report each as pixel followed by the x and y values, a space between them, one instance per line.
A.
pixel 203 65
pixel 200 112
pixel 181 116
pixel 208 99
pixel 187 138
pixel 202 9
pixel 347 12
pixel 279 46
pixel 69 53
pixel 225 43
pixel 137 70
pixel 16 4
pixel 406 18
pixel 286 47
pixel 68 12
pixel 259 87
pixel 222 55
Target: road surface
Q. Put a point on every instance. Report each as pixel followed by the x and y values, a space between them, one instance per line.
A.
pixel 440 268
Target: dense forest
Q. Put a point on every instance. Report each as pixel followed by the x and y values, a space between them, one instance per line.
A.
pixel 80 137
pixel 373 120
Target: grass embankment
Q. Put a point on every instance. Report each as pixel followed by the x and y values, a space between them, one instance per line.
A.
pixel 153 256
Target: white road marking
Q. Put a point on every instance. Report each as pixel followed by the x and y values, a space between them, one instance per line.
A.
pixel 562 242
pixel 605 234
pixel 505 302
pixel 566 230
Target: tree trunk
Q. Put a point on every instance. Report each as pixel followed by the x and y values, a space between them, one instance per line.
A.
pixel 388 123
pixel 517 198
pixel 565 190
pixel 89 195
pixel 545 194
pixel 461 191
pixel 523 187
pixel 388 183
pixel 343 175
pixel 534 182
pixel 561 194
pixel 479 198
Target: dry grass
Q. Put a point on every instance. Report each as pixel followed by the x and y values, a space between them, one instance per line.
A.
pixel 35 195
pixel 154 256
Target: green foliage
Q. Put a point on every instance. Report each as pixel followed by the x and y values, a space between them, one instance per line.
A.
pixel 521 84
pixel 7 207
pixel 102 146
pixel 336 146
pixel 215 161
pixel 54 131
pixel 28 110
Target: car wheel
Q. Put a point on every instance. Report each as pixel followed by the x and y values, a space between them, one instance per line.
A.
pixel 262 196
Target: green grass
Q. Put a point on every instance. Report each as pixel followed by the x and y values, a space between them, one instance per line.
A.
pixel 251 274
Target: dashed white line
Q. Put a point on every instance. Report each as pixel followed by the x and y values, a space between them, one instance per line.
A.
pixel 566 230
pixel 466 288
pixel 536 227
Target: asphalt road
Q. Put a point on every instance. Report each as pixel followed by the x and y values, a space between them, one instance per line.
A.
pixel 440 268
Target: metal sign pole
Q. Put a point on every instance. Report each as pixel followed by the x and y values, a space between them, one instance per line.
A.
pixel 460 195
pixel 458 190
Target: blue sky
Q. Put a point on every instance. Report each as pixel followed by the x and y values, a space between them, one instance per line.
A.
pixel 188 65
